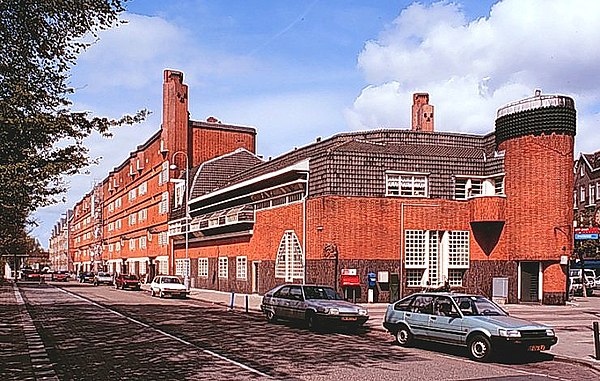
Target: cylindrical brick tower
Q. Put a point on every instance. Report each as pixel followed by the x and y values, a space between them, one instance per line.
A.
pixel 537 137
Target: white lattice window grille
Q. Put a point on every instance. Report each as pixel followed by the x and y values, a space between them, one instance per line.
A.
pixel 163 267
pixel 455 277
pixel 163 206
pixel 414 278
pixel 203 267
pixel 458 249
pixel 143 268
pixel 433 274
pixel 223 269
pixel 143 188
pixel 182 267
pixel 241 267
pixel 415 249
pixel 132 219
pixel 132 244
pixel 142 242
pixel 406 185
pixel 289 263
pixel 179 194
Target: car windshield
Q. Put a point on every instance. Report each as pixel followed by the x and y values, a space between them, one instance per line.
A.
pixel 103 274
pixel 171 280
pixel 316 292
pixel 130 277
pixel 478 306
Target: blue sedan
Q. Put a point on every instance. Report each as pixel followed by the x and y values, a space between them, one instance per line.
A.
pixel 471 321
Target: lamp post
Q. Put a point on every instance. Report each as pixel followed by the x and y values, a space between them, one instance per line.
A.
pixel 186 279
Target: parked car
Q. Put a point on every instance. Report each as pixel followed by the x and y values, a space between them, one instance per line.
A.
pixel 575 286
pixel 597 283
pixel 471 321
pixel 168 285
pixel 31 275
pixel 103 278
pixel 86 277
pixel 124 281
pixel 316 305
pixel 60 276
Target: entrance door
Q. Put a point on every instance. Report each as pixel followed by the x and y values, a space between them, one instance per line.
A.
pixel 255 277
pixel 530 281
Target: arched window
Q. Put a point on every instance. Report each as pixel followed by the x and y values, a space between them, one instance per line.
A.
pixel 289 263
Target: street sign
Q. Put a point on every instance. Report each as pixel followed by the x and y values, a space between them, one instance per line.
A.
pixel 586 236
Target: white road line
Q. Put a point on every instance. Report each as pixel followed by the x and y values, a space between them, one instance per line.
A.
pixel 209 352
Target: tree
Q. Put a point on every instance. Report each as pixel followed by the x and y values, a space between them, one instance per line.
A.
pixel 41 138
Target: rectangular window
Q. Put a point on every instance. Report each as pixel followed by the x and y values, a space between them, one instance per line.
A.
pixel 203 267
pixel 592 194
pixel 241 267
pixel 143 189
pixel 179 194
pixel 132 219
pixel 223 267
pixel 582 194
pixel 118 246
pixel 163 176
pixel 163 267
pixel 163 206
pixel 111 247
pixel 132 244
pixel 142 242
pixel 162 239
pixel 598 190
pixel 118 202
pixel 455 277
pixel 458 249
pixel 111 226
pixel 406 185
pixel 182 267
pixel 414 278
pixel 118 224
pixel 132 194
pixel 111 207
pixel 414 248
pixel 142 215
pixel 499 185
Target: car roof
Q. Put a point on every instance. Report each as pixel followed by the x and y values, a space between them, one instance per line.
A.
pixel 448 294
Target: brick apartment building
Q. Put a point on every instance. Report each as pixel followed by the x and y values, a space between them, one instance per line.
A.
pixel 586 193
pixel 121 225
pixel 58 249
pixel 416 207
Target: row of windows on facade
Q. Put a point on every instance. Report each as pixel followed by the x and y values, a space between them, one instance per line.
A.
pixel 593 194
pixel 416 185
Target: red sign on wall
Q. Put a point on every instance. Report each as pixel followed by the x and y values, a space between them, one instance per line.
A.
pixel 590 230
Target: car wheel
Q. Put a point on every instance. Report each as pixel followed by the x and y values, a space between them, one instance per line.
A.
pixel 403 336
pixel 116 286
pixel 312 322
pixel 161 294
pixel 270 315
pixel 480 348
pixel 95 283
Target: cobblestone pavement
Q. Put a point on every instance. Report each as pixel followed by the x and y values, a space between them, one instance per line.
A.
pixel 101 333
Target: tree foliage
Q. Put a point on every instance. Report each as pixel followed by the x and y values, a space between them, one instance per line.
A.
pixel 41 138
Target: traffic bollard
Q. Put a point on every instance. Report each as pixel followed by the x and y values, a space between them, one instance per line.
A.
pixel 246 303
pixel 232 299
pixel 597 339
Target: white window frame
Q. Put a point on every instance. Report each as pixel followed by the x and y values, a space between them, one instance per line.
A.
pixel 142 242
pixel 179 193
pixel 118 202
pixel 592 194
pixel 143 188
pixel 182 267
pixel 163 176
pixel 132 219
pixel 131 244
pixel 241 267
pixel 289 262
pixel 203 267
pixel 142 215
pixel 163 206
pixel 223 268
pixel 132 194
pixel 404 184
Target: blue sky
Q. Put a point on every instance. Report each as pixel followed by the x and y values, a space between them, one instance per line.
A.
pixel 296 70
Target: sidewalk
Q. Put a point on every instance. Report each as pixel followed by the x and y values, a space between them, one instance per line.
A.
pixel 572 322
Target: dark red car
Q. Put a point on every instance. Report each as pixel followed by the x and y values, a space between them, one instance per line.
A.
pixel 60 276
pixel 130 281
pixel 31 275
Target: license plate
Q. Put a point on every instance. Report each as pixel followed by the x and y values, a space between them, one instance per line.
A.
pixel 536 348
pixel 349 319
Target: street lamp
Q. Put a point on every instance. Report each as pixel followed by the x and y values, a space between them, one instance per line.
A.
pixel 186 279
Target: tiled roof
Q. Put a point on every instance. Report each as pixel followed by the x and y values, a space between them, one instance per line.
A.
pixel 425 150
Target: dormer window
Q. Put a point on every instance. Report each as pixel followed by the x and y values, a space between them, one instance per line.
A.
pixel 406 185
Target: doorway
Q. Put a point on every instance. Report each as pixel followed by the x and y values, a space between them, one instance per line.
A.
pixel 255 276
pixel 530 281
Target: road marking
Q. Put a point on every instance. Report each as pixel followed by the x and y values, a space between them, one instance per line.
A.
pixel 204 350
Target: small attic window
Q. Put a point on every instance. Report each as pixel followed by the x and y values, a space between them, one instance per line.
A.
pixel 581 170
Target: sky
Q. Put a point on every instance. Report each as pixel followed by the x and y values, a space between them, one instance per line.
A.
pixel 298 70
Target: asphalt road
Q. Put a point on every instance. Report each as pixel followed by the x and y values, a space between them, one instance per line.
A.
pixel 100 333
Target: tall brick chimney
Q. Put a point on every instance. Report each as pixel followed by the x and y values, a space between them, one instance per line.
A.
pixel 422 113
pixel 176 133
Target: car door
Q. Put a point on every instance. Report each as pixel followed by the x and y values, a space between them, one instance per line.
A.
pixel 281 302
pixel 418 315
pixel 446 323
pixel 296 303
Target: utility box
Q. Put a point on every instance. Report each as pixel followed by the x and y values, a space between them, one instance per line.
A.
pixel 500 290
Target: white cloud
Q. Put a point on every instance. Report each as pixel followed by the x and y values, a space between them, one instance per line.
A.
pixel 471 68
